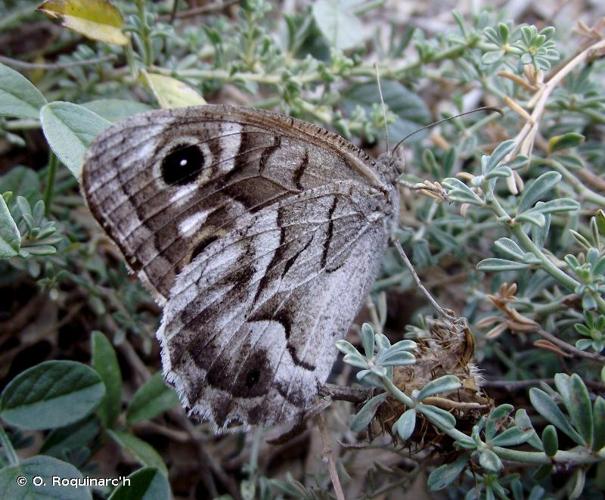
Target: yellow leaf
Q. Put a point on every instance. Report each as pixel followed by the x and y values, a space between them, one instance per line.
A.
pixel 96 19
pixel 172 93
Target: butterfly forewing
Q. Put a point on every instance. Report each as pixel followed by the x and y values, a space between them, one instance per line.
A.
pixel 261 232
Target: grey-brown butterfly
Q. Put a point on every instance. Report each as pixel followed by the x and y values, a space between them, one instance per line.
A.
pixel 260 235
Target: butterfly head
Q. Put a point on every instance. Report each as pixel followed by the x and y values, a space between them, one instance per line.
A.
pixel 390 167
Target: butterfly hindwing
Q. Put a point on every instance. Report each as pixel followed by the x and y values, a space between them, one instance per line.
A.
pixel 262 234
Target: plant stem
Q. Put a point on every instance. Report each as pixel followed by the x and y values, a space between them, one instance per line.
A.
pixel 51 172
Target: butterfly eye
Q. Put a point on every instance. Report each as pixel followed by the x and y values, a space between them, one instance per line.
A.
pixel 182 165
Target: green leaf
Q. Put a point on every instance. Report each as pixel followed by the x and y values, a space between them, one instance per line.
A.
pixel 138 448
pixel 114 110
pixel 438 417
pixel 172 93
pixel 499 265
pixel 18 96
pixel 546 407
pixel 491 162
pixel 60 442
pixel 536 189
pixel 367 339
pixel 365 415
pixel 565 141
pixel 560 205
pixel 51 394
pixel 153 398
pixel 511 437
pixel 510 248
pixel 446 383
pixel 342 29
pixel 599 423
pixel 10 237
pixel 533 217
pixel 69 130
pixel 105 362
pixel 460 192
pixel 410 111
pixel 550 440
pixel 21 181
pixel 496 418
pixel 446 474
pixel 95 19
pixel 43 469
pixel 405 424
pixel 147 483
pixel 490 461
pixel 580 409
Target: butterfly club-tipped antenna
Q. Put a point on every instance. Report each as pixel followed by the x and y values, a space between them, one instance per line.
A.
pixel 448 118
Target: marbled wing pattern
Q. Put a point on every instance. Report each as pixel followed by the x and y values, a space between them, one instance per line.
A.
pixel 261 234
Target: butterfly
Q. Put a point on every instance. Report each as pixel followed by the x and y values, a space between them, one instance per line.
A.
pixel 259 234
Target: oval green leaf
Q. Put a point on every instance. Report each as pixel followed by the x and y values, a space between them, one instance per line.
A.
pixel 69 130
pixel 153 398
pixel 341 28
pixel 10 237
pixel 18 96
pixel 138 448
pixel 95 19
pixel 147 483
pixel 105 362
pixel 51 394
pixel 17 481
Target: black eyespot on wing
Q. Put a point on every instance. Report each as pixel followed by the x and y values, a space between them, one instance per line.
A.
pixel 252 377
pixel 182 165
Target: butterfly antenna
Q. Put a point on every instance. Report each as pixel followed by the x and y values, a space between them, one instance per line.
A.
pixel 384 108
pixel 430 125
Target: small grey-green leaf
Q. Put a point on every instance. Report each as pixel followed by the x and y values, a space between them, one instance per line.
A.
pixel 46 468
pixel 341 28
pixel 51 394
pixel 546 407
pixel 499 265
pixel 489 460
pixel 147 483
pixel 459 191
pixel 18 96
pixel 536 189
pixel 580 409
pixel 510 248
pixel 550 440
pixel 512 437
pixel 153 398
pixel 69 130
pixel 142 451
pixel 115 110
pixel 365 415
pixel 599 423
pixel 498 155
pixel 10 237
pixel 405 424
pixel 105 362
pixel 446 383
pixel 438 417
pixel 367 339
pixel 446 474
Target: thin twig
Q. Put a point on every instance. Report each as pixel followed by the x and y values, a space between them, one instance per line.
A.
pixel 524 140
pixel 426 293
pixel 52 66
pixel 569 348
pixel 201 10
pixel 328 455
